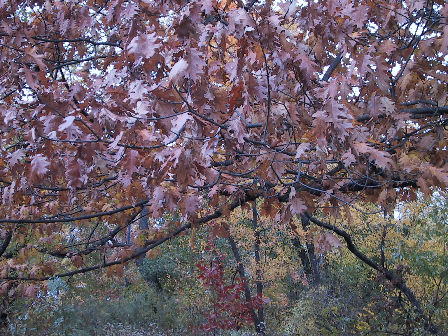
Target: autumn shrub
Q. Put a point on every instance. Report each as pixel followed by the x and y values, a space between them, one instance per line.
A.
pixel 228 310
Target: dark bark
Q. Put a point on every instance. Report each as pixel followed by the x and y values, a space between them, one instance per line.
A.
pixel 416 113
pixel 143 224
pixel 311 256
pixel 242 272
pixel 259 275
pixel 73 219
pixel 152 279
pixel 303 255
pixel 332 67
pixel 5 243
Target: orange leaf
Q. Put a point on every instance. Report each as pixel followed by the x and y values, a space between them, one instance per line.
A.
pixel 236 96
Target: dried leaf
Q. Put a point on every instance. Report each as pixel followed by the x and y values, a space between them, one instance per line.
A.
pixel 178 70
pixel 326 242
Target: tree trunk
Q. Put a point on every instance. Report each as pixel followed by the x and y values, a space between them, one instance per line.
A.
pixel 259 275
pixel 309 260
pixel 143 224
pixel 242 272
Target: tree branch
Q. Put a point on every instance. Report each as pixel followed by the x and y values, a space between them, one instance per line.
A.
pixel 332 67
pixel 72 219
pixel 5 243
pixel 218 213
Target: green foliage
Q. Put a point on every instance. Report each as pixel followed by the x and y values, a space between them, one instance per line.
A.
pixel 137 306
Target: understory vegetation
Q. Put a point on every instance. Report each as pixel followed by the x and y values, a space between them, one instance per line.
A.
pixel 169 293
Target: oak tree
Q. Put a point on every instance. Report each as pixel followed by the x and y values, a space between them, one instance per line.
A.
pixel 196 108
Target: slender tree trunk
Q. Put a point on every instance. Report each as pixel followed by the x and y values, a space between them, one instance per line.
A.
pixel 303 255
pixel 143 224
pixel 242 272
pixel 259 275
pixel 314 261
pixel 309 260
